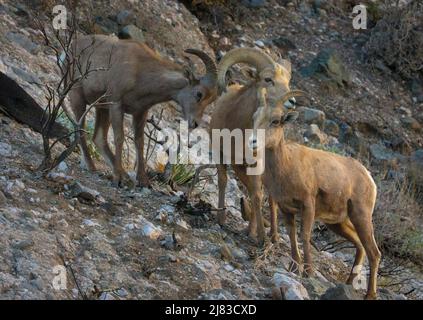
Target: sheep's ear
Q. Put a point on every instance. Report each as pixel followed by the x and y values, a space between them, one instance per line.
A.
pixel 289 117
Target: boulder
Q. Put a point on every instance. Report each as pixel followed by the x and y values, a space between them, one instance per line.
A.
pixel 125 17
pixel 3 199
pixel 331 127
pixel 314 135
pixel 341 292
pixel 131 32
pixel 310 115
pixel 411 123
pixel 328 66
pixel 23 41
pixel 254 3
pixel 5 149
pixel 290 288
pixel 383 155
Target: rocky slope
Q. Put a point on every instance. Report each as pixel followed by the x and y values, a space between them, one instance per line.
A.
pixel 150 244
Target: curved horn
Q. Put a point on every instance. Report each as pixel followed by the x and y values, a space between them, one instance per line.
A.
pixel 252 56
pixel 292 94
pixel 210 78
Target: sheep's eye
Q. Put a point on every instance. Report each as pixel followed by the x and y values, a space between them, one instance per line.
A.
pixel 276 122
pixel 199 96
pixel 268 80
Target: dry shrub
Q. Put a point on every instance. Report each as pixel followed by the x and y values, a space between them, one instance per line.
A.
pixel 415 176
pixel 397 38
pixel 398 221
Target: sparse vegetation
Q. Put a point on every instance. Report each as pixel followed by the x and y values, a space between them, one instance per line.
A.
pixel 397 220
pixel 397 38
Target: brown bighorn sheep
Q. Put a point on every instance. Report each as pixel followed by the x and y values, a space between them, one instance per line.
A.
pixel 336 190
pixel 134 78
pixel 235 109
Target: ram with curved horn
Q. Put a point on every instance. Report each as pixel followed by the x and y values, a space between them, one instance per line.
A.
pixel 235 110
pixel 134 78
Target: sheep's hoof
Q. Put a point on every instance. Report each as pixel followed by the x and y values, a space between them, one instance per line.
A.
pixel 275 238
pixel 308 273
pixel 221 217
pixel 122 180
pixel 143 182
pixel 294 267
pixel 370 296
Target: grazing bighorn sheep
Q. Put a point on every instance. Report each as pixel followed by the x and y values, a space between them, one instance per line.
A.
pixel 134 78
pixel 235 109
pixel 336 190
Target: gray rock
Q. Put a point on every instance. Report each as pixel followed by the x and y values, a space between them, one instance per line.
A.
pixel 331 127
pixel 328 66
pixel 14 188
pixel 25 76
pixel 417 90
pixel 23 41
pixel 382 154
pixel 60 178
pixel 5 149
pixel 417 156
pixel 147 229
pixel 314 135
pixel 217 294
pixel 23 244
pixel 309 115
pixel 385 294
pixel 3 199
pixel 290 288
pixel 125 17
pixel 284 43
pixel 411 123
pixel 341 292
pixel 316 287
pixel 77 190
pixel 62 167
pixel 131 32
pixel 259 43
pixel 254 3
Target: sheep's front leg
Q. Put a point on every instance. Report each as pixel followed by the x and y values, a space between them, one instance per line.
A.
pixel 257 205
pixel 273 220
pixel 138 122
pixel 222 177
pixel 116 116
pixel 291 226
pixel 306 229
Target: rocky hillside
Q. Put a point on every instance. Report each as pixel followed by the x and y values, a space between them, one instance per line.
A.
pixel 153 244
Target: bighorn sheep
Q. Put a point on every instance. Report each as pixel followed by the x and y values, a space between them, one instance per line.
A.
pixel 235 110
pixel 134 78
pixel 336 190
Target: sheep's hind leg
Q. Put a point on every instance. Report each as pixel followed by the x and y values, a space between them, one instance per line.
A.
pixel 101 130
pixel 361 219
pixel 138 121
pixel 116 116
pixel 78 105
pixel 346 229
